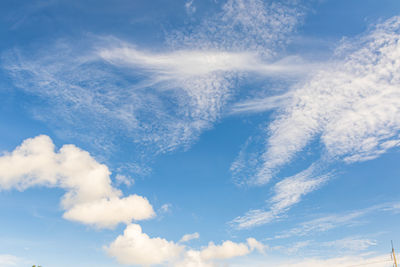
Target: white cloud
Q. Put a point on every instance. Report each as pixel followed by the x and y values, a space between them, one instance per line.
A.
pixel 165 208
pixel 350 244
pixel 190 8
pixel 122 179
pixel 134 247
pixel 181 64
pixel 89 198
pixel 261 104
pixel 83 91
pixel 332 221
pixel 297 246
pixel 256 245
pixel 108 212
pixel 213 254
pixel 288 192
pixel 251 25
pixel 351 105
pixel 226 250
pixel 189 237
pixel 395 208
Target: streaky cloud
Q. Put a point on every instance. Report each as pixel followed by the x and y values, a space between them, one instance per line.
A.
pixel 336 220
pixel 162 101
pixel 258 105
pixel 351 106
pixel 288 192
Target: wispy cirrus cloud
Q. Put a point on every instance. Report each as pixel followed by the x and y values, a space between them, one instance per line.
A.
pixel 332 221
pixel 287 193
pixel 252 25
pixel 259 105
pixel 182 64
pixel 344 246
pixel 350 244
pixel 109 80
pixel 351 106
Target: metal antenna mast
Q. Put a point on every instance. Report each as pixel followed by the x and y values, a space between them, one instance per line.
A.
pixel 394 255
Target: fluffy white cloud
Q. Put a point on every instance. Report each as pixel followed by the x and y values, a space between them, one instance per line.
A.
pixel 90 198
pixel 226 250
pixel 108 212
pixel 213 254
pixel 351 105
pixel 136 247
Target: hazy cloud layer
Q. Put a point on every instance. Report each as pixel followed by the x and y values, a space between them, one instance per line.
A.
pixel 373 261
pixel 9 260
pixel 332 221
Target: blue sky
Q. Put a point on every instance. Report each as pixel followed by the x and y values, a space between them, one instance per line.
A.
pixel 199 133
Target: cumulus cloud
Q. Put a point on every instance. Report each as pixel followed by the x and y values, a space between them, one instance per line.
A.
pixel 226 250
pixel 90 198
pixel 212 254
pixel 136 247
pixel 287 193
pixel 108 212
pixel 351 105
